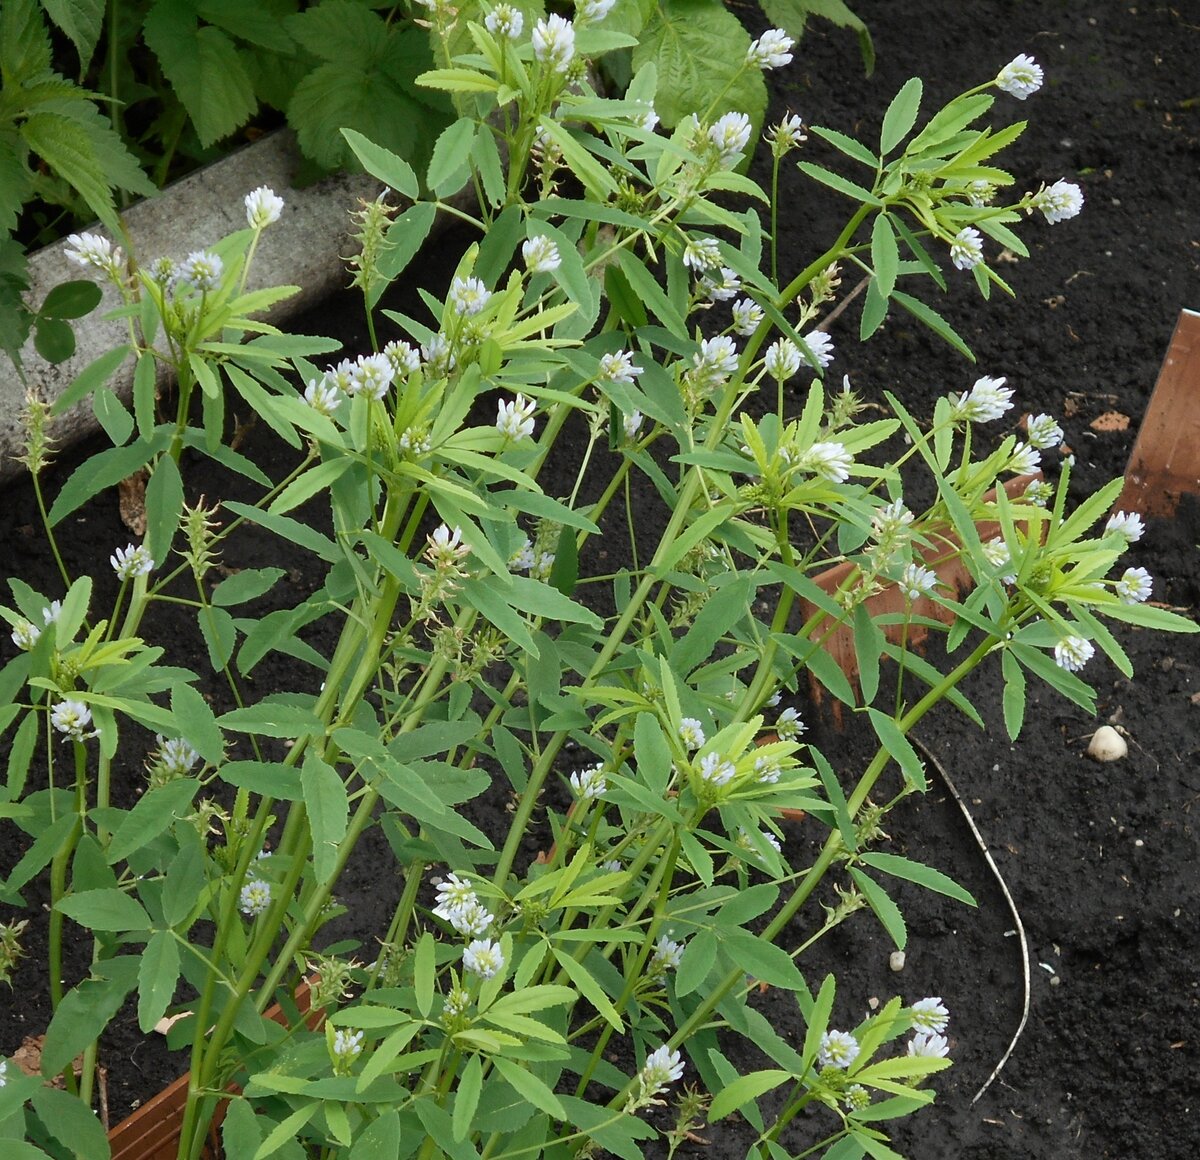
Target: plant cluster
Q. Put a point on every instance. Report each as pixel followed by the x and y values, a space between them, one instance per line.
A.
pixel 645 721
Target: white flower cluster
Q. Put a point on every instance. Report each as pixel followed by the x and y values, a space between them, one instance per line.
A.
pixel 468 296
pixel 589 783
pixel 132 561
pixel 201 270
pixel 787 135
pixel 25 634
pixel 72 717
pixel 1020 78
pixel 930 1018
pixel 966 250
pixel 730 135
pixel 663 1067
pixel 347 1047
pixel 667 956
pixel 831 461
pixel 458 904
pixel 554 42
pixel 691 733
pixel 618 367
pixel 445 550
pixel 540 255
pixel 789 726
pixel 988 399
pixel 1058 202
pixel 483 957
pixel 527 559
pixel 1043 432
pixel 505 22
pixel 255 897
pixel 263 208
pixel 94 250
pixel 837 1049
pixel 715 770
pixel 1073 652
pixel 175 756
pixel 771 50
pixel 747 314
pixel 514 418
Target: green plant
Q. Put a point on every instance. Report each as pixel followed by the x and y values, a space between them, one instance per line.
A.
pixel 479 635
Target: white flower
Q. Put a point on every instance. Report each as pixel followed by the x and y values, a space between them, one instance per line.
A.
pixel 505 21
pixel 980 192
pixel 201 270
pixel 467 296
pixel 540 255
pixel 554 42
pixel 445 549
pixel 1023 460
pixel 414 441
pixel 928 1044
pixel 175 756
pixel 471 919
pixel 1058 202
pixel 592 11
pixel 771 50
pixel 438 356
pixel 930 1014
pixel 966 250
pixel 730 134
pixel 890 521
pixel 691 733
pixel 25 635
pixel 917 581
pixel 722 286
pixel 788 725
pixel 1135 585
pixel 484 958
pixel 404 358
pixel 618 368
pixel 717 356
pixel 371 375
pixel 1021 77
pixel 255 897
pixel 631 424
pixel 701 253
pixel 831 461
pixel 1127 524
pixel 1043 432
pixel 782 359
pixel 453 893
pixel 3 1073
pixel 745 842
pixel 647 120
pixel 323 395
pixel 820 346
pixel 715 770
pixel 1039 493
pixel 588 784
pixel 347 1045
pixel 96 251
pixel 663 1067
pixel 838 1049
pixel 132 561
pixel 747 314
pixel 522 559
pixel 456 1002
pixel 72 718
pixel 263 208
pixel 341 376
pixel 514 419
pixel 997 554
pixel 788 134
pixel 667 955
pixel 767 770
pixel 988 399
pixel 1073 653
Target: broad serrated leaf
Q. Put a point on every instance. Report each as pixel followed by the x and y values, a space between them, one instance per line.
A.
pixel 82 21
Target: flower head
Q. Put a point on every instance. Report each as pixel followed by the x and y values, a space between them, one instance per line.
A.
pixel 838 1049
pixel 631 424
pixel 831 461
pixel 930 1014
pixel 747 314
pixel 263 208
pixel 691 733
pixel 589 783
pixel 966 250
pixel 1127 524
pixel 323 395
pixel 917 581
pixel 592 11
pixel 988 399
pixel 997 554
pixel 716 358
pixel 132 561
pixel 787 135
pixel 25 634
pixel 1039 493
pixel 618 368
pixel 1058 202
pixel 468 296
pixel 701 253
pixel 771 50
pixel 404 359
pixel 453 893
pixel 72 717
pixel 1024 459
pixel 371 375
pixel 648 119
pixel 782 359
pixel 201 270
pixel 788 725
pixel 484 958
pixel 255 897
pixel 540 255
pixel 663 1067
pixel 514 419
pixel 715 770
pixel 175 756
pixel 730 135
pixel 445 550
pixel 347 1047
pixel 1043 432
pixel 1020 78
pixel 1073 652
pixel 1135 586
pixel 721 286
pixel 667 955
pixel 929 1044
pixel 96 251
pixel 554 42
pixel 820 347
pixel 471 919
pixel 505 22
pixel 890 521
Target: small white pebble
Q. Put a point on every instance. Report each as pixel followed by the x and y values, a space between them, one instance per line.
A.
pixel 873 1003
pixel 1107 745
pixel 896 960
pixel 1139 842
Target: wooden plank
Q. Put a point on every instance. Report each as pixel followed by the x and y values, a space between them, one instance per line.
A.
pixel 1165 461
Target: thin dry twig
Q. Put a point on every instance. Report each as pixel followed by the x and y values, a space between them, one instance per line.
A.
pixel 1012 906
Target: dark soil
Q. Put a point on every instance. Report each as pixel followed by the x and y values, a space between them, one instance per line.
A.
pixel 1100 859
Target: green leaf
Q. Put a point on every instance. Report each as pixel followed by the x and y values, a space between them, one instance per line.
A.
pixel 104 910
pixel 71 300
pixel 94 375
pixel 1014 694
pixel 919 873
pixel 53 339
pixel 85 1011
pixel 450 164
pixel 111 415
pixel 881 903
pixel 240 1131
pixel 382 163
pixel 164 503
pixel 885 255
pixel 328 808
pixel 249 584
pixel 272 719
pixel 204 69
pixel 425 973
pixel 899 748
pixel 817 1019
pixel 868 646
pixel 744 1089
pixel 466 1097
pixel 530 1086
pixel 379 1140
pixel 590 988
pixel 763 960
pixel 901 115
pixel 157 974
pixel 841 184
pixel 82 21
pixel 699 49
pixel 847 145
pixel 153 815
pixel 70 1122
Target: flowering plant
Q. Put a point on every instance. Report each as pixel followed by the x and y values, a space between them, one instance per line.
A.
pixel 519 1005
